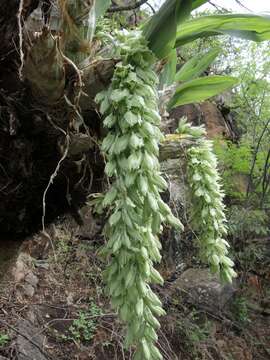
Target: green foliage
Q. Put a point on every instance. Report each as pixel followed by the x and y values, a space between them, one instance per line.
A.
pixel 208 217
pixel 236 157
pixel 251 256
pixel 240 310
pixel 4 339
pixel 101 7
pixel 63 247
pixel 251 104
pixel 198 333
pixel 247 223
pixel 84 327
pixel 196 65
pixel 193 330
pixel 167 76
pixel 131 116
pixel 245 165
pixel 160 30
pixel 234 161
pixel 247 26
pixel 201 89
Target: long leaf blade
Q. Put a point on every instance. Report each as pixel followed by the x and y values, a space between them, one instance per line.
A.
pixel 201 89
pixel 167 76
pixel 198 3
pixel 160 30
pixel 196 65
pixel 246 26
pixel 101 7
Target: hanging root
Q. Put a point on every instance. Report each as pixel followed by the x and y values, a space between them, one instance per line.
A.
pixel 53 176
pixel 19 17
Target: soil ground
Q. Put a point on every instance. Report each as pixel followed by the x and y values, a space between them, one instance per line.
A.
pixel 60 293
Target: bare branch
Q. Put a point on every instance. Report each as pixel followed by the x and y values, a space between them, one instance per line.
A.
pixel 242 5
pixel 127 7
pixel 151 7
pixel 217 7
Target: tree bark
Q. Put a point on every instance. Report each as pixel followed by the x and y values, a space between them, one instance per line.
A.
pixel 47 118
pixel 38 118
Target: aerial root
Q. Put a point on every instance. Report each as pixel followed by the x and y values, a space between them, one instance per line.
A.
pixel 21 53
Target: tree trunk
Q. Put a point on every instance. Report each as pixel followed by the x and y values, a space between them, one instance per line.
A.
pixel 49 127
pixel 41 123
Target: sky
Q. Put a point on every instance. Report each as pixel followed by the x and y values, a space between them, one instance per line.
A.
pixel 255 6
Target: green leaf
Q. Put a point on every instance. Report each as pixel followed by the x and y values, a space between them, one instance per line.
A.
pixel 160 30
pixel 167 76
pixel 110 197
pixel 201 89
pixel 246 26
pixel 131 118
pixel 101 7
pixel 197 3
pixel 196 65
pixel 114 218
pixel 118 95
pixel 136 141
pixel 146 349
pixel 155 353
pixel 139 307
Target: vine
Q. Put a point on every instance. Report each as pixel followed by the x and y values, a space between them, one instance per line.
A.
pixel 131 148
pixel 208 215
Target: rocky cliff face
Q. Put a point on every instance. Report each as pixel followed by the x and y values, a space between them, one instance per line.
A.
pixel 216 117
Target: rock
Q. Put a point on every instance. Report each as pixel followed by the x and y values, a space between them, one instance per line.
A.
pixel 215 123
pixel 173 147
pixel 206 113
pixel 37 246
pixel 33 348
pixel 28 290
pixel 200 287
pixel 176 182
pixel 31 279
pixel 22 266
pixel 173 165
pixel 90 228
pixel 42 264
pixel 24 276
pixel 176 198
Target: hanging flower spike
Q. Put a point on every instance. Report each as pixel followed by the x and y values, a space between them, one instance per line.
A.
pixel 207 202
pixel 130 110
